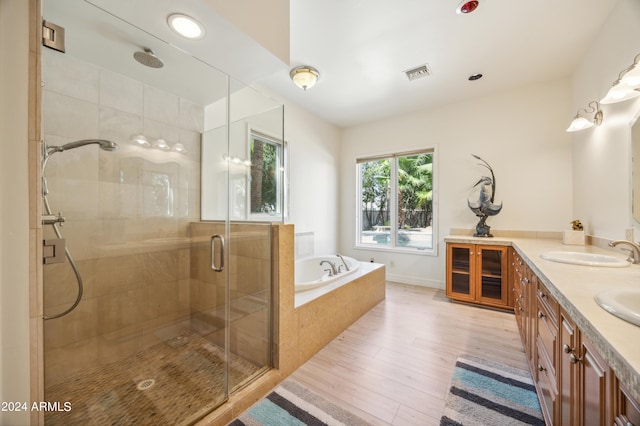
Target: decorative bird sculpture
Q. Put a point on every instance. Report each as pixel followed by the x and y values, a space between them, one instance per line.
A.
pixel 485 205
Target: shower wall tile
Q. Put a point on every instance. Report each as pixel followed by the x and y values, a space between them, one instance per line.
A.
pixel 156 129
pixel 63 362
pixel 118 274
pixel 120 92
pixel 132 288
pixel 61 285
pixel 120 312
pixel 66 75
pixel 160 302
pixel 119 344
pixel 119 127
pixel 161 106
pixel 79 325
pixel 69 117
pixel 192 142
pixel 191 116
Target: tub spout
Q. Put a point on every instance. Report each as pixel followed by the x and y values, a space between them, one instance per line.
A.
pixel 333 270
pixel 346 267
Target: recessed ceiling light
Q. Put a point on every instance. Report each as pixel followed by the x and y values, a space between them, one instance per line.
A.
pixel 186 26
pixel 467 6
pixel 475 77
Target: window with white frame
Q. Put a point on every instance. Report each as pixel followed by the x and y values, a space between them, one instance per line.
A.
pixel 267 190
pixel 395 201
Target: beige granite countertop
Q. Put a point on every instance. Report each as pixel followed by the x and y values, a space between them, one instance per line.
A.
pixel 575 286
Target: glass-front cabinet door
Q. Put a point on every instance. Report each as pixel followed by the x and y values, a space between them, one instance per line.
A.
pixel 477 273
pixel 492 279
pixel 460 272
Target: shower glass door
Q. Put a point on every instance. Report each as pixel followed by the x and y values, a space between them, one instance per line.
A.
pixel 159 333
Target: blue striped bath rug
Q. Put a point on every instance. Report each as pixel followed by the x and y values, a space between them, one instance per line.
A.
pixel 293 404
pixel 487 393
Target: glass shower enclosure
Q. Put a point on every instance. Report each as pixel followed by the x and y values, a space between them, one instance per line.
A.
pixel 161 305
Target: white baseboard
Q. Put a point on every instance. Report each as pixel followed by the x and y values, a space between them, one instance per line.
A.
pixel 407 279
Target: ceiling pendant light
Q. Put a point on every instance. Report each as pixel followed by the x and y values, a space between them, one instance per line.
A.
pixel 305 77
pixel 467 6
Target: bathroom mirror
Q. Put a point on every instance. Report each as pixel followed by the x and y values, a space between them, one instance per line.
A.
pixel 635 171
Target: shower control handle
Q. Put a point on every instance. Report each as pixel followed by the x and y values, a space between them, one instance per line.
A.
pixel 51 219
pixel 213 252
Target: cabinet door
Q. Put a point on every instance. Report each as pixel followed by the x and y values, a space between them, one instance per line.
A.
pixel 627 409
pixel 595 387
pixel 568 379
pixel 460 271
pixel 492 275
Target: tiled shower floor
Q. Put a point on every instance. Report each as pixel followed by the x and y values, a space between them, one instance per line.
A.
pixel 188 382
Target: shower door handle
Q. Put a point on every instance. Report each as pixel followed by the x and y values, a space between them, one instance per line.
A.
pixel 213 252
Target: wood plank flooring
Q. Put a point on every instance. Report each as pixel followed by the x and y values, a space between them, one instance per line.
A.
pixel 394 365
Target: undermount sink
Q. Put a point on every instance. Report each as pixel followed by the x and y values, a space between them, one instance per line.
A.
pixel 625 304
pixel 586 259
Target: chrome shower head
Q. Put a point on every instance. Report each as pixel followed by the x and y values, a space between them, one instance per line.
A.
pixel 148 58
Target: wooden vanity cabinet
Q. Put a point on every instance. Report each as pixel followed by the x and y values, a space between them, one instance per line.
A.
pixel 521 276
pixel 478 273
pixel 574 383
pixel 626 410
pixel 586 381
pixel 546 362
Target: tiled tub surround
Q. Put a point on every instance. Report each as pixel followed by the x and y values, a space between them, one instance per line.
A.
pixel 574 287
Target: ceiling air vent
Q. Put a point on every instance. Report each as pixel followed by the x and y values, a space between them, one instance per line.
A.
pixel 421 71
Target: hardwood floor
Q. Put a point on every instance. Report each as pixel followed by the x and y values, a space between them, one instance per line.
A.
pixel 394 365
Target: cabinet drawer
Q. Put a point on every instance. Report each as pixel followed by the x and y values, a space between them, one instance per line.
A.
pixel 547 388
pixel 547 337
pixel 551 305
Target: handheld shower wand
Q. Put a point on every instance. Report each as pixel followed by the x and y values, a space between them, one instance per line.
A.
pixel 49 218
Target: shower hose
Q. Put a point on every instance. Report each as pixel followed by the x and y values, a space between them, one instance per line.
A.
pixel 48 211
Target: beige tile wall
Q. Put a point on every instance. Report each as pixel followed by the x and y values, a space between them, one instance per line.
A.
pixel 118 208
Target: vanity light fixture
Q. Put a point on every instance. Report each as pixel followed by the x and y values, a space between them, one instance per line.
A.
pixel 627 86
pixel 305 77
pixel 186 26
pixel 580 122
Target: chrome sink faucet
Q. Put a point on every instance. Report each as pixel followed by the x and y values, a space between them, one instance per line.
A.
pixel 634 253
pixel 333 270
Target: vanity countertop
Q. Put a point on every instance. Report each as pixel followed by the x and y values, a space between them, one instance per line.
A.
pixel 575 286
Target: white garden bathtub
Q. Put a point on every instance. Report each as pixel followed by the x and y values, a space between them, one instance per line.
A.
pixel 309 273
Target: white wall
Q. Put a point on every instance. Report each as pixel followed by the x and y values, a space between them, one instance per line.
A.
pixel 520 133
pixel 601 155
pixel 314 155
pixel 14 205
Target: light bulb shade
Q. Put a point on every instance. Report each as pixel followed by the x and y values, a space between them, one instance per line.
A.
pixel 178 147
pixel 160 144
pixel 140 140
pixel 579 123
pixel 620 92
pixel 304 76
pixel 631 78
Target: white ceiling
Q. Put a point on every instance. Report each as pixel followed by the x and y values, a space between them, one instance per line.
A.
pixel 362 47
